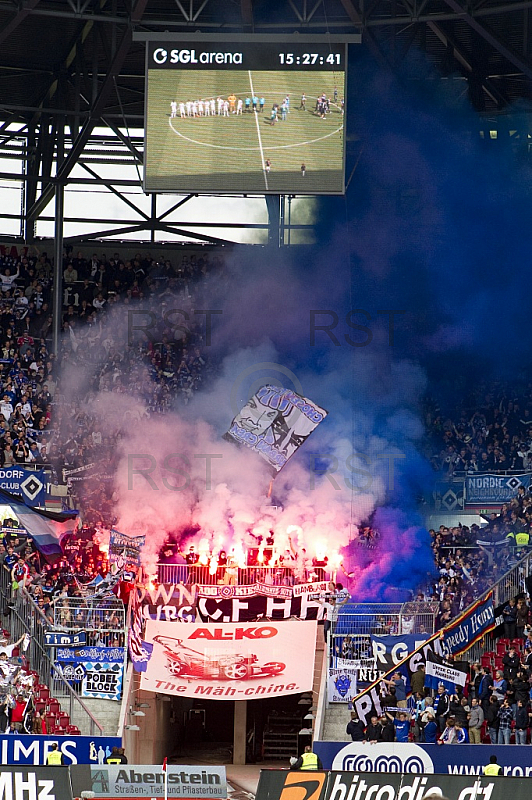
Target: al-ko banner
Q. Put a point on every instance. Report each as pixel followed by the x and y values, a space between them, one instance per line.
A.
pixel 455 760
pixel 282 785
pixel 230 661
pixel 179 603
pixel 494 489
pixel 274 423
pixel 122 780
pixel 35 783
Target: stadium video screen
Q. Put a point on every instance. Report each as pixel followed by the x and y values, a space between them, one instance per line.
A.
pixel 242 117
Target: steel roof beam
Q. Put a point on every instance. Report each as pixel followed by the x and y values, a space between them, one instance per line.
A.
pixel 96 110
pixel 513 57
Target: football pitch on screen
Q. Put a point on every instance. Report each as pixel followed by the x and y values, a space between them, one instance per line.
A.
pixel 218 153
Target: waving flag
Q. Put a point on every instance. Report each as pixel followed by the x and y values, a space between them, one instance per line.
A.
pixel 274 423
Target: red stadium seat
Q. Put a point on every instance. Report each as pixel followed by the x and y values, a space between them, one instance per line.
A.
pixel 498 662
pixel 40 706
pixel 486 660
pixel 501 648
pixel 53 705
pixel 73 730
pixel 517 643
pixel 50 722
pixel 504 641
pixel 43 692
pixel 63 719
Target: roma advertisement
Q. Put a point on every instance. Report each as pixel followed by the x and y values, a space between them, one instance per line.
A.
pixel 232 661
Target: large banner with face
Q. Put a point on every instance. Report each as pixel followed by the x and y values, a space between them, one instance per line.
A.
pixel 274 423
pixel 230 662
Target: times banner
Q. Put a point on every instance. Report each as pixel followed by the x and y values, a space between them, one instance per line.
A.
pixel 230 662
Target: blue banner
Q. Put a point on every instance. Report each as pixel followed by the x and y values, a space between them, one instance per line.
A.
pixel 493 489
pixel 389 650
pixel 451 759
pixel 113 655
pixel 54 639
pixel 469 627
pixel 30 485
pixel 75 749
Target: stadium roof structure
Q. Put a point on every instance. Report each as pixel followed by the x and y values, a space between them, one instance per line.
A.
pixel 72 76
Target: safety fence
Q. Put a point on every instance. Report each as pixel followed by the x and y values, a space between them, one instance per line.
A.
pixel 239 576
pixel 23 616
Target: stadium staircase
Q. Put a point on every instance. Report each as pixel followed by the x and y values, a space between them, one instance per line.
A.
pixel 331 719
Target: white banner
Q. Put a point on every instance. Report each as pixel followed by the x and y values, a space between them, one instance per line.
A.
pixel 234 661
pixel 342 685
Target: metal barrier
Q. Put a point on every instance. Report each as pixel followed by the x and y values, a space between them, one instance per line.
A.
pixel 25 617
pixel 352 634
pixel 237 576
pixel 102 619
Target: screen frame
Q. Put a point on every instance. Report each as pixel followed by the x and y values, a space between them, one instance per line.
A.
pixel 274 39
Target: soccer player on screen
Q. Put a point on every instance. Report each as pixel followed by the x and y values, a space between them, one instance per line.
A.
pixel 173 109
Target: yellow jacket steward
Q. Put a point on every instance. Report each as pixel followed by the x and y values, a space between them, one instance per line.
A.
pixel 492 769
pixel 310 761
pixel 522 539
pixel 54 758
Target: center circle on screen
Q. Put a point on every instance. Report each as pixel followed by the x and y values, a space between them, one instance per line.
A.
pixel 257 148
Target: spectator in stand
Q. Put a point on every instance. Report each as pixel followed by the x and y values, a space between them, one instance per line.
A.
pixel 401 724
pixel 500 686
pixel 476 720
pixel 374 731
pixel 449 734
pixel 505 717
pixel 510 664
pixel 484 692
pixel 430 730
pixel 443 704
pixel 388 729
pixel 355 728
pixel 398 682
pixel 492 720
pixel 522 617
pixel 509 615
pixel 522 717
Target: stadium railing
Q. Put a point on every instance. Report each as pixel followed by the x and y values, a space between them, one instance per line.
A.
pixel 243 576
pixel 25 617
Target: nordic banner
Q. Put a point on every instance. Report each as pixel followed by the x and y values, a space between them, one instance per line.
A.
pixel 274 423
pixel 493 488
pixel 230 662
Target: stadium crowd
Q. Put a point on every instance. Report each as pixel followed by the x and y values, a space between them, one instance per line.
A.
pixel 490 430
